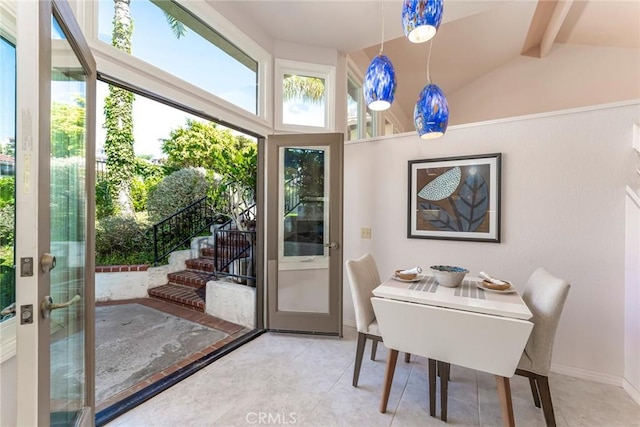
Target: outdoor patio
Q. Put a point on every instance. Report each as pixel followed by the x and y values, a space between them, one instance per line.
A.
pixel 141 341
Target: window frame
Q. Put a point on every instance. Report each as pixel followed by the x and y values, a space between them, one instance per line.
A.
pixel 326 72
pixel 116 65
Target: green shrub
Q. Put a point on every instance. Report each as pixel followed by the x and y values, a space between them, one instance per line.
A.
pixel 105 205
pixel 124 240
pixel 140 190
pixel 175 192
pixel 7 191
pixel 7 285
pixel 7 225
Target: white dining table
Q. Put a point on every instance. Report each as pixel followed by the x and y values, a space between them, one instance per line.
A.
pixel 465 326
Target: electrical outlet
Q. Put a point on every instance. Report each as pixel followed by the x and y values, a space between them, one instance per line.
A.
pixel 365 233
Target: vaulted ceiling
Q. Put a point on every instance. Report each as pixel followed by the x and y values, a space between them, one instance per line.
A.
pixel 475 37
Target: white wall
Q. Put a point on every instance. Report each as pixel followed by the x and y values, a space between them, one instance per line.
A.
pixel 563 190
pixel 632 295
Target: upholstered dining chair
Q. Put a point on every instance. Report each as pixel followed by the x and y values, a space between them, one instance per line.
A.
pixel 363 279
pixel 545 296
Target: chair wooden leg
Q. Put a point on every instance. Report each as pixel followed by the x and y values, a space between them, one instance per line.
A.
pixel 444 389
pixel 545 396
pixel 392 358
pixel 374 348
pixel 407 357
pixel 432 387
pixel 534 392
pixel 362 340
pixel 506 405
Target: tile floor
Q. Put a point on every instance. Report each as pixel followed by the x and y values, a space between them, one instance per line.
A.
pixel 281 379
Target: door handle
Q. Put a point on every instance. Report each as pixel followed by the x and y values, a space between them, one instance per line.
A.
pixel 47 262
pixel 47 305
pixel 332 245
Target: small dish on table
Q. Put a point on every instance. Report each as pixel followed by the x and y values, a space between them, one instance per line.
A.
pixel 491 287
pixel 417 278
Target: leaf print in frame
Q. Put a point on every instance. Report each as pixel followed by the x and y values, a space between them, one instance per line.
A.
pixel 455 198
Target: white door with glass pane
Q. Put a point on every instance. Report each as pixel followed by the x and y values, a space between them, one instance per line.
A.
pixel 304 233
pixel 54 180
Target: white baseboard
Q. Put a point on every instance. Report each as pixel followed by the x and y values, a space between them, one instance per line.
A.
pixel 631 391
pixel 584 374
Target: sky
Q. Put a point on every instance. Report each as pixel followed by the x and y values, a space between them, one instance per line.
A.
pixel 7 90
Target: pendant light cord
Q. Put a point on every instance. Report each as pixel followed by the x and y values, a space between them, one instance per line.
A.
pixel 429 62
pixel 382 41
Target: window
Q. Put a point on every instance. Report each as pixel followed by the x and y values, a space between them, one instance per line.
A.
pixel 168 36
pixel 7 174
pixel 304 96
pixel 361 122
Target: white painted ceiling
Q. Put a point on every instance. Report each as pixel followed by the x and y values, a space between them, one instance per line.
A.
pixel 475 37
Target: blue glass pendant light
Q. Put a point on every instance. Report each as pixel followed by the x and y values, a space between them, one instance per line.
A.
pixel 421 19
pixel 379 85
pixel 431 114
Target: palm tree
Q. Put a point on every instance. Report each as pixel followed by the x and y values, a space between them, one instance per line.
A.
pixel 118 110
pixel 308 89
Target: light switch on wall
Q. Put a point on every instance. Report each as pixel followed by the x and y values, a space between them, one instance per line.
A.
pixel 365 233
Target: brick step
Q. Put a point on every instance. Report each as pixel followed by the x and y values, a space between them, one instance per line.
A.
pixel 191 278
pixel 201 264
pixel 184 296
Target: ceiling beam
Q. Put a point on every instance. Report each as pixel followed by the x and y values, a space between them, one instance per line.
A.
pixel 553 28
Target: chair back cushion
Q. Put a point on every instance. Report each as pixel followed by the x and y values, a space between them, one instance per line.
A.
pixel 363 278
pixel 545 296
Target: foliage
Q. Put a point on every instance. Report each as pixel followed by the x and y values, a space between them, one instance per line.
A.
pixel 118 145
pixel 231 162
pixel 145 169
pixel 105 204
pixel 68 199
pixel 7 285
pixel 175 192
pixel 118 111
pixel 9 148
pixel 302 87
pixel 7 190
pixel 7 226
pixel 124 240
pixel 68 128
pixel 177 28
pixel 146 179
pixel 308 166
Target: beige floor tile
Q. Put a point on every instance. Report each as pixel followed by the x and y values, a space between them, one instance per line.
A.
pixel 288 379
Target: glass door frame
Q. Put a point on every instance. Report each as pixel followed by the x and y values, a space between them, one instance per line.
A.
pixel 33 129
pixel 305 321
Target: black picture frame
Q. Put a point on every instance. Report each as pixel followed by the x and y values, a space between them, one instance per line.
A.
pixel 455 198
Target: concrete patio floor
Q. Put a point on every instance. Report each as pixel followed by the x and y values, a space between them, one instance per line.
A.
pixel 139 342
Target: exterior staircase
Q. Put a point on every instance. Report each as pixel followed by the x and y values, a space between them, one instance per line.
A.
pixel 188 288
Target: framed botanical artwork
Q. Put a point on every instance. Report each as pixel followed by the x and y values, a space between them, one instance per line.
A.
pixel 455 198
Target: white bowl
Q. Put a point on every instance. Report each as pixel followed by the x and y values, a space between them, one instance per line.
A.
pixel 448 275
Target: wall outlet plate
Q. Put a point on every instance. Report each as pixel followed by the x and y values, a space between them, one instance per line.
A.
pixel 365 232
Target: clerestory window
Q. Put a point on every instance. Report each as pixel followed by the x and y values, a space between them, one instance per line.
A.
pixel 170 37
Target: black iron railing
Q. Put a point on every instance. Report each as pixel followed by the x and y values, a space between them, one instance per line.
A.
pixel 235 249
pixel 176 231
pixel 101 170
